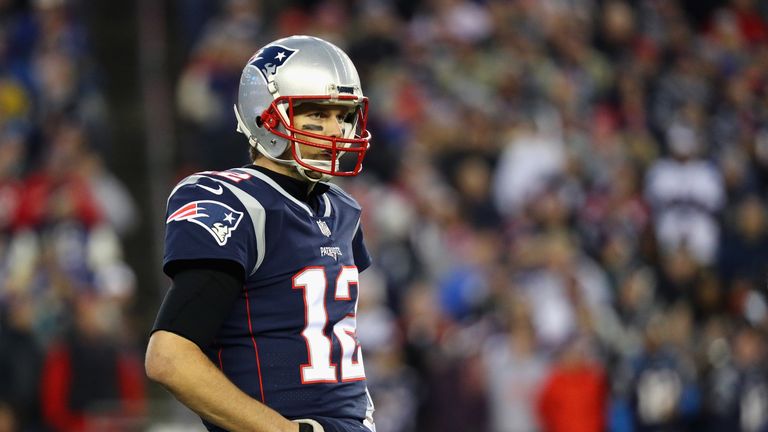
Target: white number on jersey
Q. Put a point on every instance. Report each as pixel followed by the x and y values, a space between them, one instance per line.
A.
pixel 320 369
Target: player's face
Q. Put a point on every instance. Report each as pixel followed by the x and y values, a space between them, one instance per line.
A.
pixel 327 120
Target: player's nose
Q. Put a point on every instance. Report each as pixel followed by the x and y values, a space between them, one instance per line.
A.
pixel 334 128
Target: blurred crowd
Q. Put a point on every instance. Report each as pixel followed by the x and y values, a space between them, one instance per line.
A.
pixel 68 359
pixel 566 202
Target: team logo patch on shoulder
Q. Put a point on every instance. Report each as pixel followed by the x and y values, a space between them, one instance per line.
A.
pixel 270 59
pixel 219 219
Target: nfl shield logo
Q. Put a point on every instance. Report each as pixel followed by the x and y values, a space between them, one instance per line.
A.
pixel 324 228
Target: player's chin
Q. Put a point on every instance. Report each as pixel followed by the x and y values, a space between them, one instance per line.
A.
pixel 322 156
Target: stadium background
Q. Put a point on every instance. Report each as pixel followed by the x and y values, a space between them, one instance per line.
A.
pixel 565 200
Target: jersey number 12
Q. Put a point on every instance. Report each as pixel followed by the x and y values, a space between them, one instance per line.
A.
pixel 320 369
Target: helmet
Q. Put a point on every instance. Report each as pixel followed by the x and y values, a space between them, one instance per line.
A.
pixel 295 70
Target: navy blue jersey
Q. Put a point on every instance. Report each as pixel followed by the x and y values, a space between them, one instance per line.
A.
pixel 289 340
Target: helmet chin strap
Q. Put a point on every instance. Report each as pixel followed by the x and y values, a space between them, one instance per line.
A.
pixel 308 174
pixel 305 173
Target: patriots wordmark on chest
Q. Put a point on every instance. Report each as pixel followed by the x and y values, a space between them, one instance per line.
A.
pixel 330 251
pixel 324 228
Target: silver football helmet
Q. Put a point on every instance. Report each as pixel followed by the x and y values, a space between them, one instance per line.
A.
pixel 295 70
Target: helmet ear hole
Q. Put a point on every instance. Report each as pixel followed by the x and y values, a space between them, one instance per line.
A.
pixel 259 121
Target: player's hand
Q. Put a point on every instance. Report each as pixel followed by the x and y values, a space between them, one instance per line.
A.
pixel 309 425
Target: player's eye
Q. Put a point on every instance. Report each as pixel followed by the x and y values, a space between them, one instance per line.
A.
pixel 348 117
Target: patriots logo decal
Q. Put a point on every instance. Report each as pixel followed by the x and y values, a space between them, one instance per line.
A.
pixel 217 218
pixel 270 59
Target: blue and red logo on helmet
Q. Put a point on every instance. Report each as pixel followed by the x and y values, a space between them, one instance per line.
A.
pixel 270 58
pixel 217 218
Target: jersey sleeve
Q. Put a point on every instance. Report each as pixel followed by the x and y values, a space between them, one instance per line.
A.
pixel 359 251
pixel 205 220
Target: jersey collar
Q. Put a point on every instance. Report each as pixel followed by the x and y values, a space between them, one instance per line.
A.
pixel 297 188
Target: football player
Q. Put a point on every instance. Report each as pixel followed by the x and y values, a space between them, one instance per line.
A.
pixel 257 332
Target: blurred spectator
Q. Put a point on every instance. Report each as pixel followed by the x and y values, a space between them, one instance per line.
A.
pixel 573 395
pixel 115 202
pixel 617 30
pixel 57 192
pixel 63 90
pixel 207 89
pixel 683 279
pixel 447 360
pixel 90 381
pixel 745 14
pixel 744 254
pixel 57 27
pixel 21 359
pixel 620 327
pixel 466 288
pixel 686 194
pixel 14 100
pixel 12 149
pixel 565 289
pixel 663 391
pixel 8 422
pixel 515 369
pixel 532 158
pixel 393 383
pixel 472 178
pixel 738 385
pixel 454 384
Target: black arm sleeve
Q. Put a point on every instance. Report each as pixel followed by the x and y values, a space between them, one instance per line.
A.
pixel 200 298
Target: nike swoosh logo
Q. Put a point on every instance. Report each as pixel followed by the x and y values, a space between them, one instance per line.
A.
pixel 212 190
